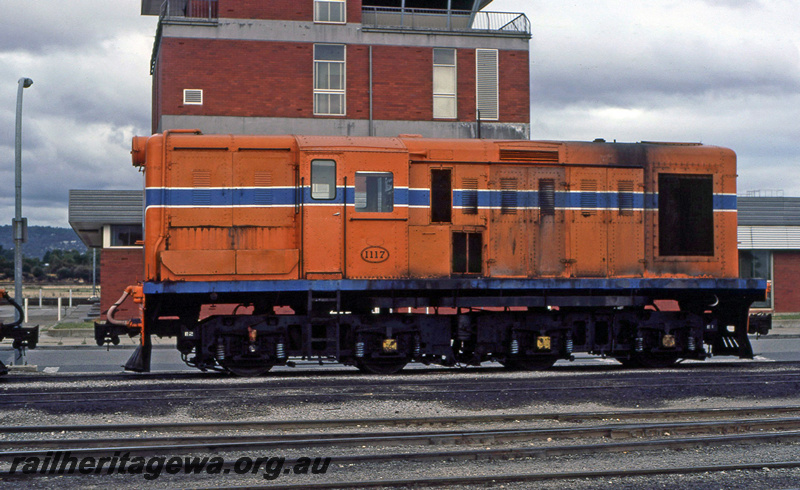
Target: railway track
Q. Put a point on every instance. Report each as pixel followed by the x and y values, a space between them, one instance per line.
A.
pixel 676 430
pixel 411 386
pixel 492 480
pixel 438 421
pixel 786 429
pixel 504 442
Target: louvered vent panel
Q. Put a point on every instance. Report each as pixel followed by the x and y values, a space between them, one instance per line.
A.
pixel 508 196
pixel 588 197
pixel 201 197
pixel 486 83
pixel 192 96
pixel 625 197
pixel 547 197
pixel 263 195
pixel 469 204
pixel 530 156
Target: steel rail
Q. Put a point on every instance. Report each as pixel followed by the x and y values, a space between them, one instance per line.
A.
pixel 405 438
pixel 696 413
pixel 486 437
pixel 497 454
pixel 446 481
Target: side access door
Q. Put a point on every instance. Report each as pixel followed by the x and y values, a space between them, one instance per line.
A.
pixel 376 216
pixel 322 208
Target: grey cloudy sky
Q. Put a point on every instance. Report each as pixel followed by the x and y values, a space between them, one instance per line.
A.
pixel 722 72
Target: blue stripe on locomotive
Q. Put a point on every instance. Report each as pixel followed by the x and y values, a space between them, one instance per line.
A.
pixel 287 196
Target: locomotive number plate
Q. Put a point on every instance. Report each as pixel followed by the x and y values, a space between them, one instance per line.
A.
pixel 375 255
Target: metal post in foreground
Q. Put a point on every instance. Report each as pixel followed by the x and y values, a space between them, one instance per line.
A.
pixel 94 272
pixel 19 224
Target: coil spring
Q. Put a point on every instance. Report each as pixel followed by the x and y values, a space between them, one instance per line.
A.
pixel 220 351
pixel 639 344
pixel 359 349
pixel 569 346
pixel 515 346
pixel 417 347
pixel 280 351
pixel 691 344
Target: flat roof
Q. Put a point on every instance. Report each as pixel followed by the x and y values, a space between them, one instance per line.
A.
pixel 768 211
pixel 90 210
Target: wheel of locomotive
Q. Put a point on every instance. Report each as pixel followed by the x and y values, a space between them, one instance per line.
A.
pixel 381 366
pixel 530 363
pixel 247 370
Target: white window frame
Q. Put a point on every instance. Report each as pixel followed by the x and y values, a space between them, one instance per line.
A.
pixel 328 91
pixel 189 92
pixel 487 84
pixel 446 95
pixel 107 237
pixel 319 4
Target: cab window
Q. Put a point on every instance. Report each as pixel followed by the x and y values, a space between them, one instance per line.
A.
pixel 323 179
pixel 374 192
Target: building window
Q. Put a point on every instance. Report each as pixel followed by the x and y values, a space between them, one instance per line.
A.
pixel 323 179
pixel 374 192
pixel 125 235
pixel 329 11
pixel 685 215
pixel 487 98
pixel 329 79
pixel 444 83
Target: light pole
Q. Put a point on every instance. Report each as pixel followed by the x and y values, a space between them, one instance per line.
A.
pixel 19 223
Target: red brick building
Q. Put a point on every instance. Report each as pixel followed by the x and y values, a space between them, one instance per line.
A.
pixel 341 67
pixel 112 222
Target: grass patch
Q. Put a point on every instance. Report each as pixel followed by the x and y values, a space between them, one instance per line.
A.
pixel 786 316
pixel 71 325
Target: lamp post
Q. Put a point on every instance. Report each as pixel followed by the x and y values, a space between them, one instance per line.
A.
pixel 19 223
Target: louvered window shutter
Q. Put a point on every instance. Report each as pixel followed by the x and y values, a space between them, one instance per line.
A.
pixel 487 84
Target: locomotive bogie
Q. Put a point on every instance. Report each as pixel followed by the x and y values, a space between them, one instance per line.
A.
pixel 384 342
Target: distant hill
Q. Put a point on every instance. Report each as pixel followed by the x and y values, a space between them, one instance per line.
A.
pixel 42 239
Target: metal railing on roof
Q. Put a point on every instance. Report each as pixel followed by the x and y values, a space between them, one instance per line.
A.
pixel 189 9
pixel 192 11
pixel 445 20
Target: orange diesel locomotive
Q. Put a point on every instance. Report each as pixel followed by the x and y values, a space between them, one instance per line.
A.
pixel 375 252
